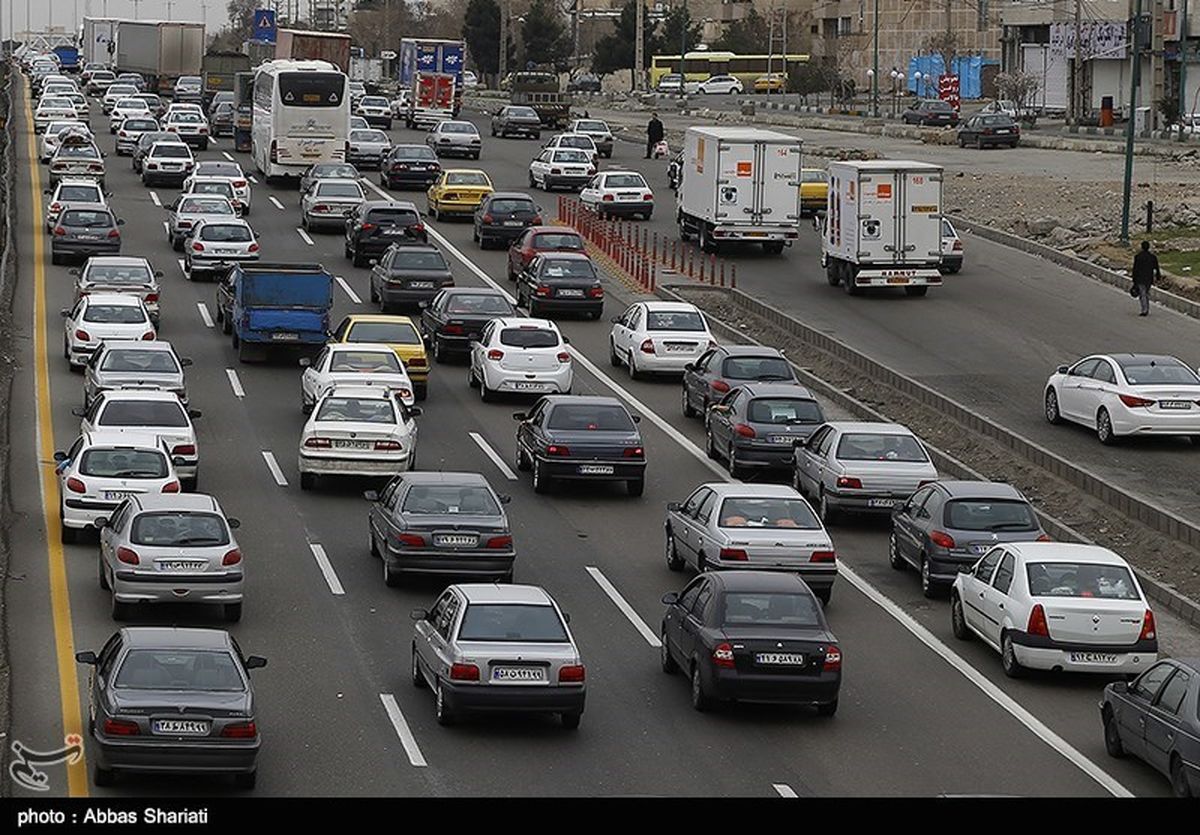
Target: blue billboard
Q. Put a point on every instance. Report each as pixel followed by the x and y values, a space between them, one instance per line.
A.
pixel 264 25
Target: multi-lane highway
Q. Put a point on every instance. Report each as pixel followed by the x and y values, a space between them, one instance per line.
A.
pixel 921 713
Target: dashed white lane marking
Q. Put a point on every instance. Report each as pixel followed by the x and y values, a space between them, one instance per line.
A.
pixel 624 606
pixel 182 266
pixel 349 290
pixel 331 578
pixel 273 466
pixel 252 179
pixel 402 730
pixel 166 227
pixel 784 789
pixel 235 383
pixel 205 316
pixel 227 156
pixel 275 202
pixel 492 454
pixel 154 199
pixel 304 235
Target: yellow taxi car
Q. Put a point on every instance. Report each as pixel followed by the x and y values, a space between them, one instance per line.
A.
pixel 814 186
pixel 771 83
pixel 459 191
pixel 399 333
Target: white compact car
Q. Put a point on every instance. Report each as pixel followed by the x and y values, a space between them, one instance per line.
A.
pixel 171 161
pixel 131 130
pixel 618 194
pixel 561 168
pixel 127 108
pixel 598 130
pixel 1126 394
pixel 152 412
pixel 358 431
pixel 579 141
pixel 53 109
pixel 102 469
pixel 191 128
pixel 720 85
pixel 659 337
pixel 99 317
pixel 114 94
pixel 1056 606
pixel 222 170
pixel 455 138
pixel 520 356
pixel 370 364
pixel 214 245
pixel 72 191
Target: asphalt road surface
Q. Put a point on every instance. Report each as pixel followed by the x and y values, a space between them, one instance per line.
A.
pixel 921 714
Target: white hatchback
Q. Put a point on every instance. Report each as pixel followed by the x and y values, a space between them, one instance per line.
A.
pixel 520 356
pixel 72 191
pixel 99 317
pixel 358 431
pixel 618 194
pixel 159 413
pixel 360 364
pixel 53 110
pixel 659 337
pixel 221 170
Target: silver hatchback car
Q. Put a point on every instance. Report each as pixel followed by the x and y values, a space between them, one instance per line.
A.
pixel 498 648
pixel 134 364
pixel 170 548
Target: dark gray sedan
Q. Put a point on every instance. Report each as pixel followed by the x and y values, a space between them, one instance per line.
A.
pixel 755 426
pixel 172 700
pixel 1156 718
pixel 84 230
pixel 441 523
pixel 326 171
pixel 455 318
pixel 514 120
pixel 714 375
pixel 503 216
pixel 409 274
pixel 561 282
pixel 946 526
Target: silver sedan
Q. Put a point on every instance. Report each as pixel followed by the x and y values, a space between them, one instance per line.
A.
pixel 191 209
pixel 451 138
pixel 330 202
pixel 498 648
pixel 368 148
pixel 135 364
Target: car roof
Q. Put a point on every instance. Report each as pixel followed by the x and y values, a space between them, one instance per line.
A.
pixel 753 491
pixel 564 255
pixel 525 321
pixel 1122 357
pixel 136 344
pixel 439 477
pixel 509 195
pixel 145 440
pixel 582 400
pixel 670 307
pixel 773 389
pixel 504 593
pixel 377 317
pixel 1065 552
pixel 759 581
pixel 77 181
pixel 209 178
pixel 560 230
pixel 879 427
pixel 116 261
pixel 455 122
pixel 979 489
pixel 164 142
pixel 623 171
pixel 87 207
pixel 140 394
pixel 474 291
pixel 338 180
pixel 381 347
pixel 465 171
pixel 175 637
pixel 175 501
pixel 750 351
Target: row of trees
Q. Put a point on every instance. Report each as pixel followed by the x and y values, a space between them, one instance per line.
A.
pixel 545 40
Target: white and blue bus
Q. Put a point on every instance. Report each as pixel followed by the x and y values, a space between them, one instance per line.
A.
pixel 301 116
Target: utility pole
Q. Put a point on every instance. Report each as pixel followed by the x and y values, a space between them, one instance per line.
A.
pixel 1183 59
pixel 1077 67
pixel 1135 74
pixel 503 41
pixel 639 46
pixel 875 60
pixel 575 32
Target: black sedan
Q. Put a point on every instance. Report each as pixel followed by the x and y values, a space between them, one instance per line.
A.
pixel 168 699
pixel 410 166
pixel 377 224
pixel 989 129
pixel 456 316
pixel 561 282
pixel 409 275
pixel 930 113
pixel 752 636
pixel 514 120
pixel 710 378
pixel 503 216
pixel 1156 718
pixel 755 426
pixel 578 438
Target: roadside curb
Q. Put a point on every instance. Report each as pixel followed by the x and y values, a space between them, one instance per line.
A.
pixel 8 279
pixel 1185 608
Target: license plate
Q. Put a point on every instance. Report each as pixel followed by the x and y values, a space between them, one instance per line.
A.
pixel 513 223
pixel 523 386
pixel 1174 404
pixel 179 565
pixel 677 348
pixel 286 337
pixel 570 293
pixel 180 727
pixel 89 237
pixel 117 495
pixel 1002 130
pixel 420 285
pixel 595 469
pixel 980 549
pixel 627 197
pixel 792 659
pixel 883 502
pixel 780 439
pixel 225 251
pixel 1094 658
pixel 456 540
pixel 518 674
pixel 897 279
pixel 392 231
pixel 352 444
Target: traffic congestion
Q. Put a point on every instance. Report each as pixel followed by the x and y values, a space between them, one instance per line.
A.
pixel 382 351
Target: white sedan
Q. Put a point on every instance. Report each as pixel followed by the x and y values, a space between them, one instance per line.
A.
pixel 720 85
pixel 579 141
pixel 659 337
pixel 99 317
pixel 618 194
pixel 520 356
pixel 1126 394
pixel 561 168
pixel 1056 606
pixel 358 431
pixel 53 110
pixel 125 109
pixel 115 93
pixel 152 412
pixel 72 191
pixel 53 135
pixel 353 364
pixel 221 170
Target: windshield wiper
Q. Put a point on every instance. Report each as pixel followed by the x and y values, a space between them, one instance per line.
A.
pixel 198 540
pixel 767 377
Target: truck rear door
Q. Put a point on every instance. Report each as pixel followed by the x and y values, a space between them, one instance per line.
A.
pixel 445 92
pixel 737 190
pixel 879 236
pixel 426 91
pixel 920 216
pixel 777 202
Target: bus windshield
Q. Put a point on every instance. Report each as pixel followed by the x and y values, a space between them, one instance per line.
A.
pixel 312 89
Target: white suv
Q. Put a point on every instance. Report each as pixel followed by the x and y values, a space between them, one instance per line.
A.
pixel 520 356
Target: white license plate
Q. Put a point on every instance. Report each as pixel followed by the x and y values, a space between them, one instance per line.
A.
pixel 420 285
pixel 180 727
pixel 1174 404
pixel 117 495
pixel 1002 130
pixel 89 237
pixel 673 348
pixel 285 337
pixel 352 445
pixel 518 674
pixel 792 659
pixel 628 197
pixel 523 386
pixel 1094 658
pixel 595 469
pixel 780 439
pixel 456 540
pixel 180 565
pixel 570 293
pixel 882 502
pixel 513 223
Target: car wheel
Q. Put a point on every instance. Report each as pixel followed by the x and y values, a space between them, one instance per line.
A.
pixel 928 588
pixel 103 776
pixel 962 143
pixel 736 470
pixel 674 561
pixel 540 480
pixel 245 779
pixel 828 513
pixel 101 575
pixel 442 710
pixel 1112 737
pixel 420 390
pixel 958 622
pixel 439 351
pixel 665 658
pixel 688 411
pixel 522 462
pixel 1008 657
pixel 823 595
pixel 701 701
pixel 1052 413
pixel 613 359
pixel 391 578
pixel 307 481
pixel 471 381
pixel 226 325
pixel 1104 430
pixel 418 680
pixel 357 260
pixel 233 612
pixel 636 486
pixel 894 559
pixel 631 365
pixel 570 721
pixel 710 446
pixel 485 393
pixel 1179 779
pixel 828 708
pixel 373 295
pixel 373 546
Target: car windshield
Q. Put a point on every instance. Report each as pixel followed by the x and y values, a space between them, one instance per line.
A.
pixel 567 268
pixel 450 499
pixel 219 169
pixel 789 410
pixel 519 622
pixel 166 528
pixel 393 217
pixel 590 417
pixel 779 609
pixel 995 121
pixel 332 171
pixel 118 90
pixel 390 333
pixel 204 206
pixel 221 187
pixel 205 671
pixel 357 410
pixel 1145 371
pixel 757 368
pixel 79 194
pixel 478 303
pixel 512 205
pixel 571 155
pixel 144 413
pixel 171 151
pixel 83 217
pixel 591 127
pixel 624 181
pixel 225 233
pixel 185 118
pixel 414 152
pixel 1070 579
pixel 467 178
pixel 990 515
pixel 368 136
pixel 327 189
pixel 419 260
pixel 523 112
pixel 374 101
pixel 529 337
pixel 104 274
pixel 365 361
pixel 458 127
pixel 557 240
pixel 131 104
pixel 782 512
pixel 675 320
pixel 873 446
pixel 114 314
pixel 139 360
pixel 123 462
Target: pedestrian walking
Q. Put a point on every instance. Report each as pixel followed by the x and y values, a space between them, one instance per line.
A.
pixel 654 134
pixel 1145 272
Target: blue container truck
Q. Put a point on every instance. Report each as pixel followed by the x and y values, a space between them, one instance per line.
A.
pixel 431 70
pixel 279 305
pixel 68 58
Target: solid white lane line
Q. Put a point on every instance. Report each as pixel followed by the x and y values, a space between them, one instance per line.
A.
pixel 182 268
pixel 624 606
pixel 205 316
pixel 154 199
pixel 275 202
pixel 492 454
pixel 349 290
pixel 784 789
pixel 273 466
pixel 304 235
pixel 235 383
pixel 415 757
pixel 227 156
pixel 331 578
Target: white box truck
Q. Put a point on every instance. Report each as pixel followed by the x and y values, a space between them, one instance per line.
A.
pixel 160 50
pixel 739 184
pixel 883 226
pixel 98 40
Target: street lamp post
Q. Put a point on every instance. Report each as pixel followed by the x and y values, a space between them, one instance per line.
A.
pixel 875 63
pixel 874 84
pixel 920 90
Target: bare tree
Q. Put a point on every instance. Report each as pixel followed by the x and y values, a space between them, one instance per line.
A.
pixel 945 43
pixel 1018 86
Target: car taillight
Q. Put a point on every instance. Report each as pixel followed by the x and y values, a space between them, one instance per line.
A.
pixel 183 449
pixel 464 672
pixel 541 290
pixel 151 297
pixel 318 443
pixel 1149 632
pixel 745 430
pixel 197 246
pixel 55 206
pixel 417 362
pixel 320 207
pixel 239 183
pixel 849 482
pixel 564 356
pixel 500 542
pixel 252 248
pixel 410 540
pixel 488 218
pixel 722 655
pixel 720 385
pixel 823 556
pixel 941 539
pixel 957 246
pixel 595 292
pixel 388 446
pixel 555 170
pixel 453 330
pixel 240 730
pixel 232 557
pixel 647 197
pixel 83 336
pixel 148 336
pixel 634 452
pixel 114 233
pixel 1037 622
pixel 608 198
pixel 495 354
pixel 120 727
pixel 76 486
pixel 59 230
pixel 1045 538
pixel 557 449
pixel 735 554
pixel 571 674
pixel 833 660
pixel 128 556
pixel 1130 400
pixel 418 228
pixel 171 487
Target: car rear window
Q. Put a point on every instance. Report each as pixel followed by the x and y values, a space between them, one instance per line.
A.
pixel 590 417
pixel 357 410
pixel 757 368
pixel 529 338
pixel 179 669
pixel 809 175
pixel 523 112
pixel 225 233
pixel 123 463
pixel 1070 579
pixel 78 152
pixel 365 361
pixel 784 410
pixel 557 240
pixel 393 217
pixel 414 152
pixel 139 124
pixel 374 101
pixel 171 151
pixel 466 178
pixel 989 515
pixel 368 136
pixel 767 512
pixel 675 320
pixel 1159 371
pixel 478 303
pixel 83 217
pixel 505 204
pixel 450 499
pixel 204 206
pixel 512 622
pixel 420 260
pixel 219 169
pixel 139 361
pixel 591 127
pixel 796 611
pixel 167 528
pixel 874 446
pixel 391 333
pixel 220 187
pixel 326 189
pixel 571 155
pixel 79 194
pixel 125 274
pixel 584 142
pixel 334 170
pixel 143 413
pixel 567 268
pixel 458 127
pixel 624 181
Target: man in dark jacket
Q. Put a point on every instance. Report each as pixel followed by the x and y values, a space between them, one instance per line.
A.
pixel 654 134
pixel 1145 272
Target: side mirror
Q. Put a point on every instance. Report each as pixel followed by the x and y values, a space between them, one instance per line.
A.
pixel 566 340
pixel 415 411
pixel 86 657
pixel 47 191
pixel 373 262
pixel 305 362
pixel 520 416
pixel 691 366
pixel 79 411
pixel 636 418
pixel 674 507
pixel 185 362
pixel 60 456
pixel 504 498
pixel 799 442
pixel 418 614
pixel 567 616
pixel 255 662
pixel 1062 369
pixel 233 522
pixel 65 312
pixel 1120 686
pixel 371 495
pixel 73 271
pixel 195 413
pixel 120 221
pixel 100 522
pixel 422 304
pixel 671 598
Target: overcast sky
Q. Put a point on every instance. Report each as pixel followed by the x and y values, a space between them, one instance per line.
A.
pixel 68 13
